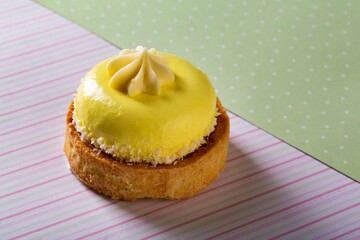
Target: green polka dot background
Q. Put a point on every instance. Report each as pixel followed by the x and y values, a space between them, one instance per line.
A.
pixel 289 67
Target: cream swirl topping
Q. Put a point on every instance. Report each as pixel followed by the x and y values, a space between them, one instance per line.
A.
pixel 139 70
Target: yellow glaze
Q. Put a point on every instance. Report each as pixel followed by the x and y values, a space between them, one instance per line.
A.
pixel 139 70
pixel 147 128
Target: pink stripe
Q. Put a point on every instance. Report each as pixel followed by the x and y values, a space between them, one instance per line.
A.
pixel 32 165
pixel 37 104
pixel 245 140
pixel 255 173
pixel 249 142
pixel 40 170
pixel 30 145
pixel 254 151
pixel 53 62
pixel 55 28
pixel 128 220
pixel 34 186
pixel 287 217
pixel 19 163
pixel 42 205
pixel 9 10
pixel 170 205
pixel 43 83
pixel 236 203
pixel 346 233
pixel 290 217
pixel 280 210
pixel 48 46
pixel 264 162
pixel 33 124
pixel 242 134
pixel 299 195
pixel 316 221
pixel 26 20
pixel 62 221
pixel 241 127
pixel 339 227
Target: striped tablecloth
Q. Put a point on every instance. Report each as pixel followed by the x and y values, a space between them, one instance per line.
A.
pixel 269 190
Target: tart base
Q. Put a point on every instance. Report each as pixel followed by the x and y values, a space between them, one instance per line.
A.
pixel 120 180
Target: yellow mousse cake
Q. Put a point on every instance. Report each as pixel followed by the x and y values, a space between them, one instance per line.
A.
pixel 146 124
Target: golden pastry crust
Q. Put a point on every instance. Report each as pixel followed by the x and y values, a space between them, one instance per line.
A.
pixel 120 180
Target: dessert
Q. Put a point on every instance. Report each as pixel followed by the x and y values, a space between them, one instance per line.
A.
pixel 146 124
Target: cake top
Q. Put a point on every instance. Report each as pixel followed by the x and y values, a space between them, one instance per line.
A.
pixel 137 118
pixel 139 70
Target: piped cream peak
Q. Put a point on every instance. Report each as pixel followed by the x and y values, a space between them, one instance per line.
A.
pixel 139 70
